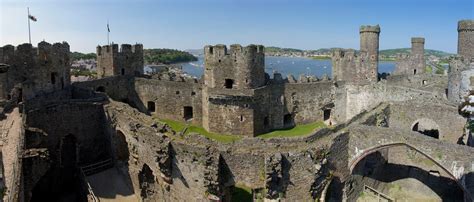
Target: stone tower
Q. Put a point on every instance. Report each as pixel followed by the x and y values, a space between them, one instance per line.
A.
pixel 127 61
pixel 369 44
pixel 414 63
pixel 239 68
pixel 466 38
pixel 417 46
pixel 231 78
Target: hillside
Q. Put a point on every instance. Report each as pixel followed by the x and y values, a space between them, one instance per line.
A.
pixel 166 56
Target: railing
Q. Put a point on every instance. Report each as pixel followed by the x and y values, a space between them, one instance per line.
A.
pixel 96 167
pixel 379 195
pixel 90 193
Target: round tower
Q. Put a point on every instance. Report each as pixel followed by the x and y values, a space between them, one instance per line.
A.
pixel 369 40
pixel 466 38
pixel 417 46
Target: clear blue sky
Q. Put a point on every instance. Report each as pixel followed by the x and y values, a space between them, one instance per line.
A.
pixel 191 24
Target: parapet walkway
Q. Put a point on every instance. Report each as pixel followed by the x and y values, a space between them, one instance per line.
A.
pixel 110 185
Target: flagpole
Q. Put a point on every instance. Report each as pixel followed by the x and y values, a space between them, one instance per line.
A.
pixel 29 30
pixel 108 32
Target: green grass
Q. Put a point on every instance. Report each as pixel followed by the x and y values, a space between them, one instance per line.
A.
pixel 180 126
pixel 321 57
pixel 299 130
pixel 241 193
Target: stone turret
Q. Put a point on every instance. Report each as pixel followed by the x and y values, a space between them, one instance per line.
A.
pixel 358 67
pixel 461 69
pixel 112 61
pixel 35 70
pixel 237 68
pixel 369 43
pixel 414 63
pixel 466 38
pixel 417 46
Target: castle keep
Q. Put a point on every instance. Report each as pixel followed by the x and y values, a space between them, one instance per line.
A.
pixel 63 142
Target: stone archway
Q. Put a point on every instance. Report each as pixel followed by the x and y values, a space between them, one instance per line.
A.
pixel 122 152
pixel 374 157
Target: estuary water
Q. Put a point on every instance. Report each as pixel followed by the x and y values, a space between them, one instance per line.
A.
pixel 287 65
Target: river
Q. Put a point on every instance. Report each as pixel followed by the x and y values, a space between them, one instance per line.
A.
pixel 287 65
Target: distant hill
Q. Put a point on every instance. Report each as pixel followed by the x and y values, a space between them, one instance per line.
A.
pixel 166 56
pixel 394 52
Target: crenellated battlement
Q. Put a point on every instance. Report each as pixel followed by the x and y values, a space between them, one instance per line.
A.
pixel 238 67
pixel 349 55
pixel 115 50
pixel 44 49
pixel 221 51
pixel 466 25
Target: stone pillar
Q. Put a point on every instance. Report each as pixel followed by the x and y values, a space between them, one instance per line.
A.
pixel 417 46
pixel 466 38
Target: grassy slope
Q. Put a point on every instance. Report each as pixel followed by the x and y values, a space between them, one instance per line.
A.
pixel 299 130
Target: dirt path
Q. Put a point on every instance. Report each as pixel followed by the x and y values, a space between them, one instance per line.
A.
pixel 110 185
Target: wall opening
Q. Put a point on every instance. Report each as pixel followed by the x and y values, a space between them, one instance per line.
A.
pixel 229 83
pixel 326 114
pixel 121 147
pixel 122 71
pixel 151 106
pixel 146 181
pixel 266 121
pixel 426 127
pixel 414 71
pixel 100 89
pixel 288 120
pixel 53 77
pixel 187 113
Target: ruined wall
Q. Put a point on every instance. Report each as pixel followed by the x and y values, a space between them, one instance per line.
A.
pixel 203 169
pixel 117 87
pixel 358 98
pixel 170 97
pixel 127 61
pixel 450 124
pixel 457 68
pixel 413 63
pixel 37 70
pixel 466 38
pixel 85 121
pixel 369 44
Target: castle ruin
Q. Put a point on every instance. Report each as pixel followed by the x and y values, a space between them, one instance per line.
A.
pixel 101 139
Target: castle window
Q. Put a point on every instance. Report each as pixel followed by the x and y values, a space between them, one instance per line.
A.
pixel 53 77
pixel 424 82
pixel 266 121
pixel 187 113
pixel 229 83
pixel 122 71
pixel 326 114
pixel 100 89
pixel 246 105
pixel 211 50
pixel 288 120
pixel 151 106
pixel 193 93
pixel 242 118
pixel 219 60
pixel 414 71
pixel 177 92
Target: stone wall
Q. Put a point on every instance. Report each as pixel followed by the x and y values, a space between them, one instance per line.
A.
pixel 36 70
pixel 413 63
pixel 112 62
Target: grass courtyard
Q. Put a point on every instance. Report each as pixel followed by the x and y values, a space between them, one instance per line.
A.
pixel 297 131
